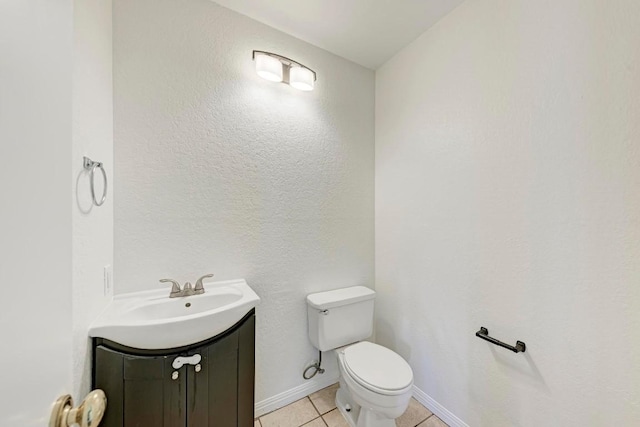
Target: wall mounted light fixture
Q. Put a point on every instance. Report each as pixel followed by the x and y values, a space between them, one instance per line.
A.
pixel 278 68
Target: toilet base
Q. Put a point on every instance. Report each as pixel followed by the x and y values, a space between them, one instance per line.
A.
pixel 355 415
pixel 347 407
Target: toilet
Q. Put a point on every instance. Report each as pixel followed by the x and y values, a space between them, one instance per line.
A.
pixel 375 382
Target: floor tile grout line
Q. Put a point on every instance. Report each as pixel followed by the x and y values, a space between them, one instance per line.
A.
pixel 425 419
pixel 308 422
pixel 314 405
pixel 430 416
pixel 276 410
pixel 327 411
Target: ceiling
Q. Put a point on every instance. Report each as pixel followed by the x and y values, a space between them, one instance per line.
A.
pixel 367 32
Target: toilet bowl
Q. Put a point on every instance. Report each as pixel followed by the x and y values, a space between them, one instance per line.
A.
pixel 375 385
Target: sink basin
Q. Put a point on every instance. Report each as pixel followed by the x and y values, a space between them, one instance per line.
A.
pixel 175 308
pixel 151 320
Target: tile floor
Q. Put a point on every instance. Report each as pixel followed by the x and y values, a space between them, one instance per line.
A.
pixel 319 410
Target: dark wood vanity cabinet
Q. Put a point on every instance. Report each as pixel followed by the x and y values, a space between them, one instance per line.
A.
pixel 143 389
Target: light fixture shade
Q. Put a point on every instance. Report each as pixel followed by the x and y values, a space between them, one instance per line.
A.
pixel 301 78
pixel 268 67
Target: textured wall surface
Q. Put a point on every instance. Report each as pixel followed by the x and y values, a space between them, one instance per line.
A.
pixel 507 196
pixel 220 171
pixel 92 137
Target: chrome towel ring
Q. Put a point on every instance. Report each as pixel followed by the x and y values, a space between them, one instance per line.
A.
pixel 91 166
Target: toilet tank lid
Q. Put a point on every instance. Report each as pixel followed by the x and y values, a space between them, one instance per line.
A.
pixel 339 297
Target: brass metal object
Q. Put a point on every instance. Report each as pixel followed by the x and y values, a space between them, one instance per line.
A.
pixel 88 414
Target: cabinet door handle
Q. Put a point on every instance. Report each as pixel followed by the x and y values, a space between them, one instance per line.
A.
pixel 180 361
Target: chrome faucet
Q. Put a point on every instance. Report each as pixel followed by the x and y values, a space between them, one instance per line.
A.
pixel 175 288
pixel 199 289
pixel 187 290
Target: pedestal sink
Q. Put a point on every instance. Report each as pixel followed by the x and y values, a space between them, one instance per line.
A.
pixel 151 320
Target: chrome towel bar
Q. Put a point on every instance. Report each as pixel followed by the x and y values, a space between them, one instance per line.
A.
pixel 483 333
pixel 91 166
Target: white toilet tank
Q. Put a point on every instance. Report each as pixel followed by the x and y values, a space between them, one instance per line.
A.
pixel 340 317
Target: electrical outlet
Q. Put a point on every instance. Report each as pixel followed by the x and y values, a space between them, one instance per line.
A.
pixel 108 281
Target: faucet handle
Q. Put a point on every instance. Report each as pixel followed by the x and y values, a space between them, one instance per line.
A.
pixel 199 286
pixel 175 288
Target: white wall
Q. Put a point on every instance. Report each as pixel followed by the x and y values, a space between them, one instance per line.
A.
pixel 507 196
pixel 92 137
pixel 35 207
pixel 221 171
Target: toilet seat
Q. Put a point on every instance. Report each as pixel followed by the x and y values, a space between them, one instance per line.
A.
pixel 377 368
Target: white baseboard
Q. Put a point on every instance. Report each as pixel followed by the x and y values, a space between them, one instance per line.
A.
pixel 289 396
pixel 440 411
pixel 286 397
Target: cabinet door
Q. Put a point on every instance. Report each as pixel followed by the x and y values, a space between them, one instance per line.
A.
pixel 140 390
pixel 246 372
pixel 212 393
pixel 221 394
